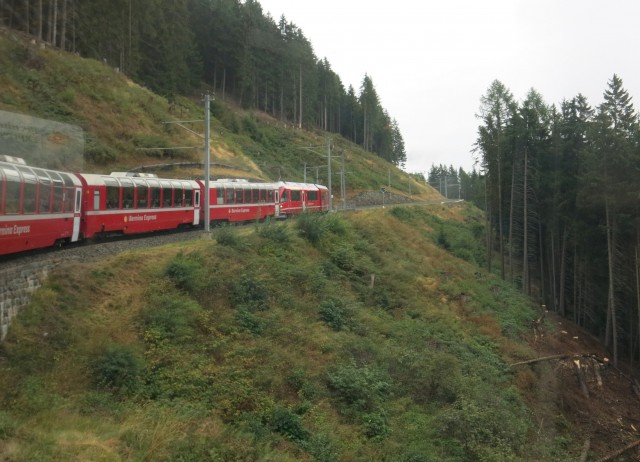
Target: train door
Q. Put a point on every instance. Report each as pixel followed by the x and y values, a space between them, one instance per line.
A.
pixel 196 208
pixel 276 199
pixel 76 214
pixel 303 196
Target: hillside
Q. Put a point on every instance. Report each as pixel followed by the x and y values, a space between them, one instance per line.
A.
pixel 125 126
pixel 350 337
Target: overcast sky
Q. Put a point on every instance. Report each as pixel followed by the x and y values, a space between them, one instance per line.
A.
pixel 431 61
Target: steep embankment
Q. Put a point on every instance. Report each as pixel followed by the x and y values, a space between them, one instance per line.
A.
pixel 125 126
pixel 338 337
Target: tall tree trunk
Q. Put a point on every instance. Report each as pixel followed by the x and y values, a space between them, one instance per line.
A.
pixel 525 232
pixel 542 269
pixel 611 305
pixel 40 20
pixel 63 28
pixel 54 37
pixel 27 16
pixel 563 269
pixel 511 218
pixel 300 81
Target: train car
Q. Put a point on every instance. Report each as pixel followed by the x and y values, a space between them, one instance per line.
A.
pixel 38 207
pixel 297 198
pixel 123 204
pixel 232 201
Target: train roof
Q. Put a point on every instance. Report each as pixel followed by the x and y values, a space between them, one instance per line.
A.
pixel 304 186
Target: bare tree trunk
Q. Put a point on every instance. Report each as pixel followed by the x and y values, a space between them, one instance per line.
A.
pixel 525 236
pixel 40 19
pixel 511 218
pixel 63 28
pixel 637 287
pixel 54 37
pixel 27 16
pixel 611 306
pixel 500 218
pixel 300 81
pixel 563 269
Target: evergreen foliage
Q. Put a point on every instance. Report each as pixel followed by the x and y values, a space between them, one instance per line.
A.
pixel 562 188
pixel 174 47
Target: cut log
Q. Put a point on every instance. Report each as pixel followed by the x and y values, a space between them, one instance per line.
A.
pixel 619 452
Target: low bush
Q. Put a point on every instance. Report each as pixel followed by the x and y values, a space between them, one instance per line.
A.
pixel 117 368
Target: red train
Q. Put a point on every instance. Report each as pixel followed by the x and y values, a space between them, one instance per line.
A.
pixel 43 208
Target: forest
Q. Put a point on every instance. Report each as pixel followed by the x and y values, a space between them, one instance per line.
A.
pixel 561 188
pixel 184 47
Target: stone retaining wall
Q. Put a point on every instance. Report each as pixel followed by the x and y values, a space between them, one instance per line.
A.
pixel 17 285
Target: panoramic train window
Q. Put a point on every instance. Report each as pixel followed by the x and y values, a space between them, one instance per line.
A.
pixel 229 197
pixel 239 196
pixel 154 188
pixel 44 195
pixel 312 195
pixel 29 191
pixel 12 191
pixel 188 194
pixel 296 196
pixel 113 193
pixel 271 194
pixel 58 192
pixel 219 196
pixel 178 194
pixel 127 193
pixel 68 196
pixel 142 198
pixel 167 193
pixel 285 196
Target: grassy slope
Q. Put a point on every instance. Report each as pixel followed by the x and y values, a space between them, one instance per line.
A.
pixel 273 343
pixel 122 121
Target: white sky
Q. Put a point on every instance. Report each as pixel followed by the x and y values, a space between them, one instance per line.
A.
pixel 431 61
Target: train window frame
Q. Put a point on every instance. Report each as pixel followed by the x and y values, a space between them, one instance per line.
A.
pixel 188 194
pixel 128 193
pixel 112 198
pixel 219 195
pixel 44 190
pixel 58 192
pixel 312 195
pixel 296 195
pixel 229 196
pixel 29 190
pixel 178 194
pixel 167 190
pixel 155 194
pixel 284 196
pixel 142 194
pixel 12 180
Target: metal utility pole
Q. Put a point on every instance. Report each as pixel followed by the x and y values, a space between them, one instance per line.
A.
pixel 329 173
pixel 207 161
pixel 343 183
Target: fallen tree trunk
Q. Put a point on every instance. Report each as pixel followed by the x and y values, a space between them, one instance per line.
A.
pixel 544 358
pixel 619 452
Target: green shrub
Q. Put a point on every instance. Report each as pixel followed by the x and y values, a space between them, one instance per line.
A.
pixel 186 272
pixel 250 293
pixel 118 368
pixel 310 227
pixel 249 321
pixel 375 425
pixel 172 316
pixel 228 237
pixel 360 388
pixel 7 426
pixel 343 255
pixel 334 314
pixel 98 153
pixel 275 232
pixel 288 424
